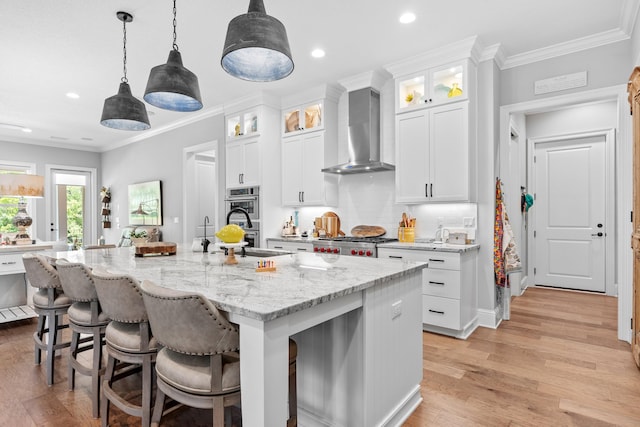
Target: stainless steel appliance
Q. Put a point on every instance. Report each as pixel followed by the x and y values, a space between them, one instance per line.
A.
pixel 350 246
pixel 247 198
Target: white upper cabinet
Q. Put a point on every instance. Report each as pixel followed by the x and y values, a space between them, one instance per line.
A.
pixel 433 86
pixel 309 144
pixel 303 118
pixel 243 124
pixel 243 163
pixel 432 155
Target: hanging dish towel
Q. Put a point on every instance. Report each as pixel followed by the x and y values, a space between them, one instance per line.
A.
pixel 498 233
pixel 511 259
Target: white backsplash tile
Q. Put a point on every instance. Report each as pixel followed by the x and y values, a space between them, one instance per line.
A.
pixel 369 199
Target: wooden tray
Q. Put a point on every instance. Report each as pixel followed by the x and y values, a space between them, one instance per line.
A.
pixel 367 231
pixel 156 248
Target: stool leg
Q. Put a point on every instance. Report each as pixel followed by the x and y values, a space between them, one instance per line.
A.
pixel 38 341
pixel 95 372
pixel 51 342
pixel 147 386
pixel 293 396
pixel 158 408
pixel 108 375
pixel 73 352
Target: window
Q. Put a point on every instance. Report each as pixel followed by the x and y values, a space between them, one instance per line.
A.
pixel 9 205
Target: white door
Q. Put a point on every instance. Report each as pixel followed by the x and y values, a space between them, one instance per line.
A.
pixel 71 211
pixel 570 228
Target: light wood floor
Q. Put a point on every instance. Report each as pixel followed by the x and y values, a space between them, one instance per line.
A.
pixel 557 362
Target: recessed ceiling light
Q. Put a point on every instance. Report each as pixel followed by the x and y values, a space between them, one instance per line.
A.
pixel 317 53
pixel 407 18
pixel 72 95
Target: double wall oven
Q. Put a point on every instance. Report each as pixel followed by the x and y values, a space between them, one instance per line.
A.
pixel 247 198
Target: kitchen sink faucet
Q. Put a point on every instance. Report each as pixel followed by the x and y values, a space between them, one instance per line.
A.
pixel 249 224
pixel 205 241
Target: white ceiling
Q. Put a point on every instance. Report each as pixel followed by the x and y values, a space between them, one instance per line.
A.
pixel 50 48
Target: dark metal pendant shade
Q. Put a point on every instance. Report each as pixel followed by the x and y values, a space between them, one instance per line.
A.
pixel 124 111
pixel 173 87
pixel 256 47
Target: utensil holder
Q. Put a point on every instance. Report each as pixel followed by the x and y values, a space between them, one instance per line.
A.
pixel 407 234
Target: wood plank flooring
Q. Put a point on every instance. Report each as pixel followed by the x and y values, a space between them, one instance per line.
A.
pixel 557 362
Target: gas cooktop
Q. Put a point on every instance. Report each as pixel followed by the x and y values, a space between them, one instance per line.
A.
pixel 375 240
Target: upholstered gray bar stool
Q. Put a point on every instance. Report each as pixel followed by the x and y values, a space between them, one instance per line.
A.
pixel 85 317
pixel 129 340
pixel 198 364
pixel 50 303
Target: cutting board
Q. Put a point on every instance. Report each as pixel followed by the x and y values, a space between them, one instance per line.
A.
pixel 336 231
pixel 156 248
pixel 367 231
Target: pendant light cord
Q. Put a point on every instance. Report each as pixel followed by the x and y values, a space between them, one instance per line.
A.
pixel 175 24
pixel 124 51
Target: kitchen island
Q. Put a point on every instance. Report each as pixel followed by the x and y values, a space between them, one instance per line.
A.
pixel 357 323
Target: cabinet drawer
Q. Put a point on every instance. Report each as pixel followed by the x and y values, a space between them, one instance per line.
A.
pixel 440 311
pixel 443 260
pixel 441 283
pixel 11 264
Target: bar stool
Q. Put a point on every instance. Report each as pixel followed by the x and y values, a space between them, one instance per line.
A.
pixel 50 303
pixel 129 340
pixel 85 317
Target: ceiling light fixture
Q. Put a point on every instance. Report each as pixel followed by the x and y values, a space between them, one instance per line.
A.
pixel 123 111
pixel 171 86
pixel 256 47
pixel 318 53
pixel 407 18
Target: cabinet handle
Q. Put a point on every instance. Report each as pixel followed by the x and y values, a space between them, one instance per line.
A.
pixel 436 311
pixel 436 283
pixel 302 196
pixel 395 256
pixel 426 190
pixel 8 262
pixel 278 247
pixel 431 189
pixel 436 260
pixel 302 249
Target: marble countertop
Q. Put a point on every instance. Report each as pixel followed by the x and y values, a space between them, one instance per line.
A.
pixel 430 246
pixel 293 239
pixel 301 280
pixel 24 248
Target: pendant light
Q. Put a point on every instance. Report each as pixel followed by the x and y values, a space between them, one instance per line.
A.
pixel 123 111
pixel 171 86
pixel 256 47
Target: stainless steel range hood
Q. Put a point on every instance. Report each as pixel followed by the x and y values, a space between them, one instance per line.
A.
pixel 364 135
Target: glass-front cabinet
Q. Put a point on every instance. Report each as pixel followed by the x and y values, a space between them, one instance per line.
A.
pixel 245 123
pixel 303 118
pixel 434 86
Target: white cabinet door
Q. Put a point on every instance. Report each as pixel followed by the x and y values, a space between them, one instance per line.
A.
pixel 449 153
pixel 303 182
pixel 292 155
pixel 313 187
pixel 412 165
pixel 432 155
pixel 243 163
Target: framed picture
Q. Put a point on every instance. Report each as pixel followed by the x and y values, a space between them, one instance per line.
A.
pixel 145 203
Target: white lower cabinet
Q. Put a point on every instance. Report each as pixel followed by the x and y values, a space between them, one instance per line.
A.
pixel 292 246
pixel 449 290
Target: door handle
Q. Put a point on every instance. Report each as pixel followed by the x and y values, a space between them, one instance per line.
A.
pixel 598 234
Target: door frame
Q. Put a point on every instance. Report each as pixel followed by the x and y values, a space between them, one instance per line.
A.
pixel 92 217
pixel 623 179
pixel 188 160
pixel 610 217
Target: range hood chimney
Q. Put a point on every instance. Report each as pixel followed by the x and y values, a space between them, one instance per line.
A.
pixel 364 135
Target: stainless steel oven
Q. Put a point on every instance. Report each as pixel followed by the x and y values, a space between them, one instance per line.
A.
pixel 247 198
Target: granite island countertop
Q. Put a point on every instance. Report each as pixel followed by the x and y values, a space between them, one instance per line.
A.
pixel 301 280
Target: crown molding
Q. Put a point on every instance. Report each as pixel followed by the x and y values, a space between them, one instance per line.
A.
pixel 560 49
pixel 494 53
pixel 628 15
pixel 192 118
pixel 465 48
pixel 375 79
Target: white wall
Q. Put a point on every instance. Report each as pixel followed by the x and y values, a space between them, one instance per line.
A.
pixel 42 156
pixel 158 158
pixel 580 118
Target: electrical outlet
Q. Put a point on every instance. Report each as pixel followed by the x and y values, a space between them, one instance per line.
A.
pixel 468 221
pixel 396 309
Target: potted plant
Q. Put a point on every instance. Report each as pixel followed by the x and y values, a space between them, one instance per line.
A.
pixel 138 237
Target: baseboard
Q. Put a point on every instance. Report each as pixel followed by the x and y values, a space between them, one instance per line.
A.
pixel 462 334
pixel 488 318
pixel 404 409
